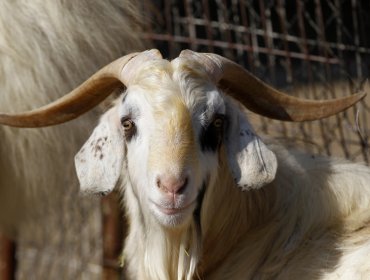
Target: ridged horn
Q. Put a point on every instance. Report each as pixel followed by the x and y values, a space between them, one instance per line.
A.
pixel 83 98
pixel 263 99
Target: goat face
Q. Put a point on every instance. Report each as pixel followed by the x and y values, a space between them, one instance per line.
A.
pixel 164 136
pixel 163 139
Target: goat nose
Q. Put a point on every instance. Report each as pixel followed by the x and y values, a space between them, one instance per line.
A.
pixel 172 184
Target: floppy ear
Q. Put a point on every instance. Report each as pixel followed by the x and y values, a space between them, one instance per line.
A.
pixel 99 162
pixel 252 164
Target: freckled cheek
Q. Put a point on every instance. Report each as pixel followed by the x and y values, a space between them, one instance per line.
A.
pixel 97 147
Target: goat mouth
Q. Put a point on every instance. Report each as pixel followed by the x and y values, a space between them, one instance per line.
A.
pixel 174 210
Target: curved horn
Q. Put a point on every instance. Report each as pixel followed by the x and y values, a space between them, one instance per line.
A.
pixel 83 98
pixel 262 98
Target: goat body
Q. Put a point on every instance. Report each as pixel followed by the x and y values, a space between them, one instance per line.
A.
pixel 311 222
pixel 206 198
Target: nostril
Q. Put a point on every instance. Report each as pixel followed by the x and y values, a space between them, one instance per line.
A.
pixel 183 186
pixel 172 184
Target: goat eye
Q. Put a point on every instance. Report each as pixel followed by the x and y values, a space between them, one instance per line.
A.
pixel 211 135
pixel 128 127
pixel 127 124
pixel 218 122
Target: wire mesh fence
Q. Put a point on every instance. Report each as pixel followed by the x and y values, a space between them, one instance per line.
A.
pixel 313 49
pixel 309 48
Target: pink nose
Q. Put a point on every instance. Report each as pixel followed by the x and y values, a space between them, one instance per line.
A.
pixel 172 184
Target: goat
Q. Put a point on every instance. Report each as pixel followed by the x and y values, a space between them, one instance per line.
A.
pixel 205 196
pixel 42 47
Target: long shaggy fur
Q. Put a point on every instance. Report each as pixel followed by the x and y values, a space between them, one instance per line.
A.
pixel 310 219
pixel 312 222
pixel 46 49
pixel 309 223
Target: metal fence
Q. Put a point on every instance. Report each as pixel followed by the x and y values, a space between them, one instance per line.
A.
pixel 309 48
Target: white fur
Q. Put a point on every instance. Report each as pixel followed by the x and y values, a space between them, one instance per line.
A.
pixel 303 217
pixel 46 49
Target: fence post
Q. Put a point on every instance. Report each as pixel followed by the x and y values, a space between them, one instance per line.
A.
pixel 7 258
pixel 113 232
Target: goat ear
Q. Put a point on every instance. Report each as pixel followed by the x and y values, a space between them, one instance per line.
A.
pixel 252 164
pixel 99 162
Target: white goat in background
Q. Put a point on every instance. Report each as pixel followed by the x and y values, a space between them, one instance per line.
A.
pixel 46 49
pixel 205 197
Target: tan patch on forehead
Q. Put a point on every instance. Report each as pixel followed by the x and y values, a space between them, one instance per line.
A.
pixel 179 120
pixel 174 142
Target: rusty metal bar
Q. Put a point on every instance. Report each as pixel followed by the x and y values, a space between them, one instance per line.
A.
pixel 236 19
pixel 323 47
pixel 207 17
pixel 365 118
pixel 325 50
pixel 339 26
pixel 304 42
pixel 319 28
pixel 288 63
pixel 223 25
pixel 113 234
pixel 247 36
pixel 253 23
pixel 362 140
pixel 7 258
pixel 265 14
pixel 190 24
pixel 221 44
pixel 305 49
pixel 356 38
pixel 169 28
pixel 282 19
pixel 253 30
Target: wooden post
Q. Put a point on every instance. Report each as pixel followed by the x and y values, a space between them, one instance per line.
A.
pixel 113 234
pixel 7 258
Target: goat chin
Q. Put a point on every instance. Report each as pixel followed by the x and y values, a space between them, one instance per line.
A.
pixel 311 222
